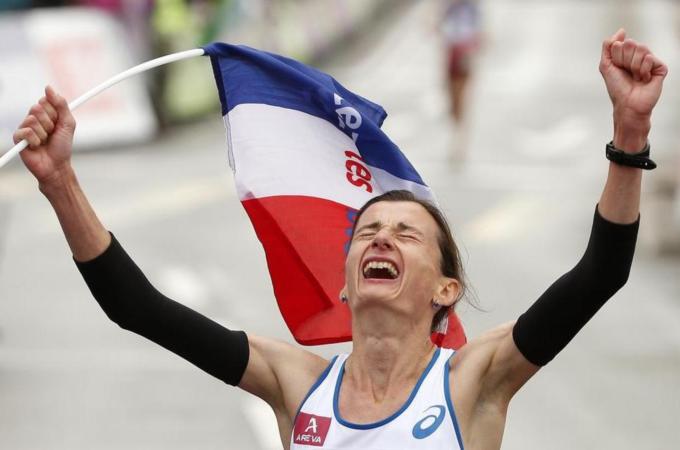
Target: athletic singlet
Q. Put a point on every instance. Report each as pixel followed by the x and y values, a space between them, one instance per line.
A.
pixel 426 421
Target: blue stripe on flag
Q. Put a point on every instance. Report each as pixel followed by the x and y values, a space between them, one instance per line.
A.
pixel 246 75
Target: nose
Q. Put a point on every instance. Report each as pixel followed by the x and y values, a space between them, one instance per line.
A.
pixel 382 240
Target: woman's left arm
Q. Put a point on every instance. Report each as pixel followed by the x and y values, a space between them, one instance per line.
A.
pixel 634 78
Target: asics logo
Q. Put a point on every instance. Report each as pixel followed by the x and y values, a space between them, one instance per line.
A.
pixel 429 424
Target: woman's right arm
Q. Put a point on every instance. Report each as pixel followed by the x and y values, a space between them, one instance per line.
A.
pixel 119 286
pixel 49 129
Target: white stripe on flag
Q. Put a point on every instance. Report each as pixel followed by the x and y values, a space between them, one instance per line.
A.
pixel 279 151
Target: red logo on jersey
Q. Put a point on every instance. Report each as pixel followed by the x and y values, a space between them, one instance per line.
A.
pixel 310 429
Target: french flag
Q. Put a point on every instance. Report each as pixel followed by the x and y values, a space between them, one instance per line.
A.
pixel 306 155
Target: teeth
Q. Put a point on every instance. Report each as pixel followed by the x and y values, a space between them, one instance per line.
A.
pixel 381 265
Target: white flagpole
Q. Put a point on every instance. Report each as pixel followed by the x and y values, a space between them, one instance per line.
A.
pixel 11 153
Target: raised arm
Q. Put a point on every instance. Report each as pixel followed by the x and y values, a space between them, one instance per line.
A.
pixel 49 129
pixel 633 77
pixel 254 363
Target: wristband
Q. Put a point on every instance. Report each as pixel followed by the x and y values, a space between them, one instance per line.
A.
pixel 639 160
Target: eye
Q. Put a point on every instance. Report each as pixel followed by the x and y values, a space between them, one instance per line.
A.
pixel 365 235
pixel 408 236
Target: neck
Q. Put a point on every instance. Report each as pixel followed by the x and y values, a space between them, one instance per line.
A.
pixel 387 354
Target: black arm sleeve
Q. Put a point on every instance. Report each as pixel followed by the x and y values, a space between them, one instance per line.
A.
pixel 550 323
pixel 129 299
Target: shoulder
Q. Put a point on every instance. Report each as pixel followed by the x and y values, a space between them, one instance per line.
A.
pixel 287 358
pixel 472 364
pixel 280 373
pixel 491 365
pixel 283 352
pixel 478 352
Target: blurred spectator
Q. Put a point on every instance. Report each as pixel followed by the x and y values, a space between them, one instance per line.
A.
pixel 460 29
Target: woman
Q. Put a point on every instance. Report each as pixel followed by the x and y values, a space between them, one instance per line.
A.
pixel 460 29
pixel 395 389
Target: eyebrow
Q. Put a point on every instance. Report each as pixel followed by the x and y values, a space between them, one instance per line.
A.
pixel 401 226
pixel 371 226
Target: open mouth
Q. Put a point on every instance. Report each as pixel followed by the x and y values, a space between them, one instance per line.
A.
pixel 381 270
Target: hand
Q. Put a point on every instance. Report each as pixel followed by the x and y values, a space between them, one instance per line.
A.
pixel 634 78
pixel 48 128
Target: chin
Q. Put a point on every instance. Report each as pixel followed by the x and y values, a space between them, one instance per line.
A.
pixel 376 294
pixel 381 288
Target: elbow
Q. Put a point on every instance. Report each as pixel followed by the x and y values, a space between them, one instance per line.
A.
pixel 615 281
pixel 118 319
pixel 622 279
pixel 124 319
pixel 606 276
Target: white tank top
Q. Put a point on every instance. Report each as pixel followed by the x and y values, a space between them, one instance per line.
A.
pixel 426 421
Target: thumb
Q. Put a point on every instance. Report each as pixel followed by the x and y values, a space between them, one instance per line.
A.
pixel 606 56
pixel 620 35
pixel 658 73
pixel 65 118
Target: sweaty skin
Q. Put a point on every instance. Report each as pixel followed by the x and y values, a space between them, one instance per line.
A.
pixel 391 318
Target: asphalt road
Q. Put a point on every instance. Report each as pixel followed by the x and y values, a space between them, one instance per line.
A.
pixel 521 205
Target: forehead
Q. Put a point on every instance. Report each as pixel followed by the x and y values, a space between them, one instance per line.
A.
pixel 392 213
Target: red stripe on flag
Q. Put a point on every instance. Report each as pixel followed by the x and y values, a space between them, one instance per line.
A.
pixel 304 240
pixel 455 334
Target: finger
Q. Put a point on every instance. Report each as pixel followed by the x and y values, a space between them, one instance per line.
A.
pixel 646 67
pixel 659 68
pixel 34 124
pixel 27 134
pixel 658 73
pixel 636 62
pixel 18 136
pixel 629 46
pixel 39 112
pixel 617 53
pixel 49 109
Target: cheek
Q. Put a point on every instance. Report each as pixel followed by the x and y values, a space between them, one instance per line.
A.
pixel 425 270
pixel 352 260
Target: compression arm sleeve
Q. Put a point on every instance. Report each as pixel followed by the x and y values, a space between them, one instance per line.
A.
pixel 550 323
pixel 129 299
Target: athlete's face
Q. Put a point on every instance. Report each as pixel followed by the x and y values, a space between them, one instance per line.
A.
pixel 394 257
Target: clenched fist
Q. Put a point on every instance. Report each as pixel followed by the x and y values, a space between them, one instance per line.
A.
pixel 634 78
pixel 48 128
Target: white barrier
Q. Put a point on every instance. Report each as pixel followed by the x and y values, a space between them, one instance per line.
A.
pixel 71 49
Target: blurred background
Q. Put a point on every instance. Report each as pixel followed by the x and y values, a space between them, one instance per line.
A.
pixel 497 103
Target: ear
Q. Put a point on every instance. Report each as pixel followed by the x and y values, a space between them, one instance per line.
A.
pixel 343 293
pixel 448 291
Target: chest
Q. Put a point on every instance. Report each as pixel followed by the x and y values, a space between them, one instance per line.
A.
pixel 337 419
pixel 361 407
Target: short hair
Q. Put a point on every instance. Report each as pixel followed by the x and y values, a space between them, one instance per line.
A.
pixel 450 264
